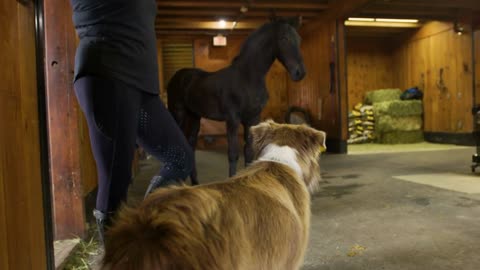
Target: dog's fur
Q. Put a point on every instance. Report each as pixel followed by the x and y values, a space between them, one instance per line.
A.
pixel 258 219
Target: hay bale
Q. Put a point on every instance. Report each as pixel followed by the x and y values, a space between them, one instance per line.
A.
pixel 401 137
pixel 387 123
pixel 382 95
pixel 398 108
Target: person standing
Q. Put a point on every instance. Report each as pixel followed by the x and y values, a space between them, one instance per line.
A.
pixel 117 86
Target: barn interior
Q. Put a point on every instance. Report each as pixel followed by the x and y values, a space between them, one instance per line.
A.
pixel 383 205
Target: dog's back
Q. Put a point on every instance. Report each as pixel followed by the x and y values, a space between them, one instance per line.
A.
pixel 259 219
pixel 240 224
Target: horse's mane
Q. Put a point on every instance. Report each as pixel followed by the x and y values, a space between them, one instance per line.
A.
pixel 256 39
pixel 259 38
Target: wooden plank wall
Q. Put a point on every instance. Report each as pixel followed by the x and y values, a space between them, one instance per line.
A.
pixel 313 92
pixel 22 244
pixel 477 66
pixel 418 61
pixel 369 66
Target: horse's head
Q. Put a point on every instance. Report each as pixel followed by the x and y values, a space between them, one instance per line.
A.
pixel 287 45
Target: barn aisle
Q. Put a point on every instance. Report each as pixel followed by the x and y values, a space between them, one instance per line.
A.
pixel 365 217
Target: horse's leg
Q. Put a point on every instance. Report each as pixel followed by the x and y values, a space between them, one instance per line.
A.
pixel 192 140
pixel 233 151
pixel 247 148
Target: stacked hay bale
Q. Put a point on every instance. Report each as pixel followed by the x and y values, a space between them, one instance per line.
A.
pixel 397 121
pixel 361 124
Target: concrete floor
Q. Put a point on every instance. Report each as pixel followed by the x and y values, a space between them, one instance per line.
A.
pixel 364 218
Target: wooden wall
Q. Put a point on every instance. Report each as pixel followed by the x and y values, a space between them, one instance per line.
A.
pixel 477 66
pixel 418 61
pixel 320 47
pixel 22 244
pixel 369 66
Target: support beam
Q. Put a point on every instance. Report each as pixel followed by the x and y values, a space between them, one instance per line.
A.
pixel 170 20
pixel 337 10
pixel 182 13
pixel 63 119
pixel 192 34
pixel 457 4
pixel 212 25
pixel 238 4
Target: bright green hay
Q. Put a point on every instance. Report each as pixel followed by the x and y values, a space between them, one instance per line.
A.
pixel 398 108
pixel 382 95
pixel 400 137
pixel 386 123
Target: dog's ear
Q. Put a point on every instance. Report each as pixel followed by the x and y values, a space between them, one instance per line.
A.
pixel 319 137
pixel 260 132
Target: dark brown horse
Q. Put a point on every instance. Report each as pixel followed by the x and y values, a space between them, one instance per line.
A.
pixel 236 94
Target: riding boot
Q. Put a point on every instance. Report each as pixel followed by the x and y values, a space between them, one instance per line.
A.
pixel 103 221
pixel 157 182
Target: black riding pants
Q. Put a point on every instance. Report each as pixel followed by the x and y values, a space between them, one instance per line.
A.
pixel 118 117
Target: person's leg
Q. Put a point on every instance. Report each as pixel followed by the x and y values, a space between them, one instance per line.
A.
pixel 159 135
pixel 111 110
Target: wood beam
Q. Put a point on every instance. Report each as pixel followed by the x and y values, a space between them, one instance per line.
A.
pixel 476 22
pixel 232 13
pixel 457 4
pixel 190 35
pixel 173 20
pixel 337 10
pixel 231 4
pixel 418 14
pixel 209 25
pixel 63 119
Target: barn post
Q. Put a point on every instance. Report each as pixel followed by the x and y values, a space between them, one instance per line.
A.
pixel 63 121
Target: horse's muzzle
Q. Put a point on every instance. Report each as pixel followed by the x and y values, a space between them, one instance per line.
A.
pixel 299 73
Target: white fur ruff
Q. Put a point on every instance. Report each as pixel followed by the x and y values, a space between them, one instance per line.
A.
pixel 283 155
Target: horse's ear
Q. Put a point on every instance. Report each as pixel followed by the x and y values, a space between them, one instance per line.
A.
pixel 296 22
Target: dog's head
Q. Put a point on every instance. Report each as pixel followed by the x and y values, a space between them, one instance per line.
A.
pixel 306 142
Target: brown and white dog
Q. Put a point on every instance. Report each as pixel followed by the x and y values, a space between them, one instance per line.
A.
pixel 258 219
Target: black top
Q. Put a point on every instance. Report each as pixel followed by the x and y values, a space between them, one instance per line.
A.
pixel 117 40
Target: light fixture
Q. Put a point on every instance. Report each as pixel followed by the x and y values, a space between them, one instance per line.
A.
pixel 397 20
pixel 382 22
pixel 222 23
pixel 361 19
pixel 458 28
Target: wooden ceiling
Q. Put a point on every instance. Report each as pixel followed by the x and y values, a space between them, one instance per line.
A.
pixel 448 10
pixel 463 11
pixel 182 17
pixel 200 17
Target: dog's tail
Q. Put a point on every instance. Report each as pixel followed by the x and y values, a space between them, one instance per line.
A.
pixel 160 234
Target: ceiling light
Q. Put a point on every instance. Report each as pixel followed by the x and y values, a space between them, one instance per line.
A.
pixel 361 19
pixel 397 20
pixel 458 28
pixel 222 23
pixel 383 24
